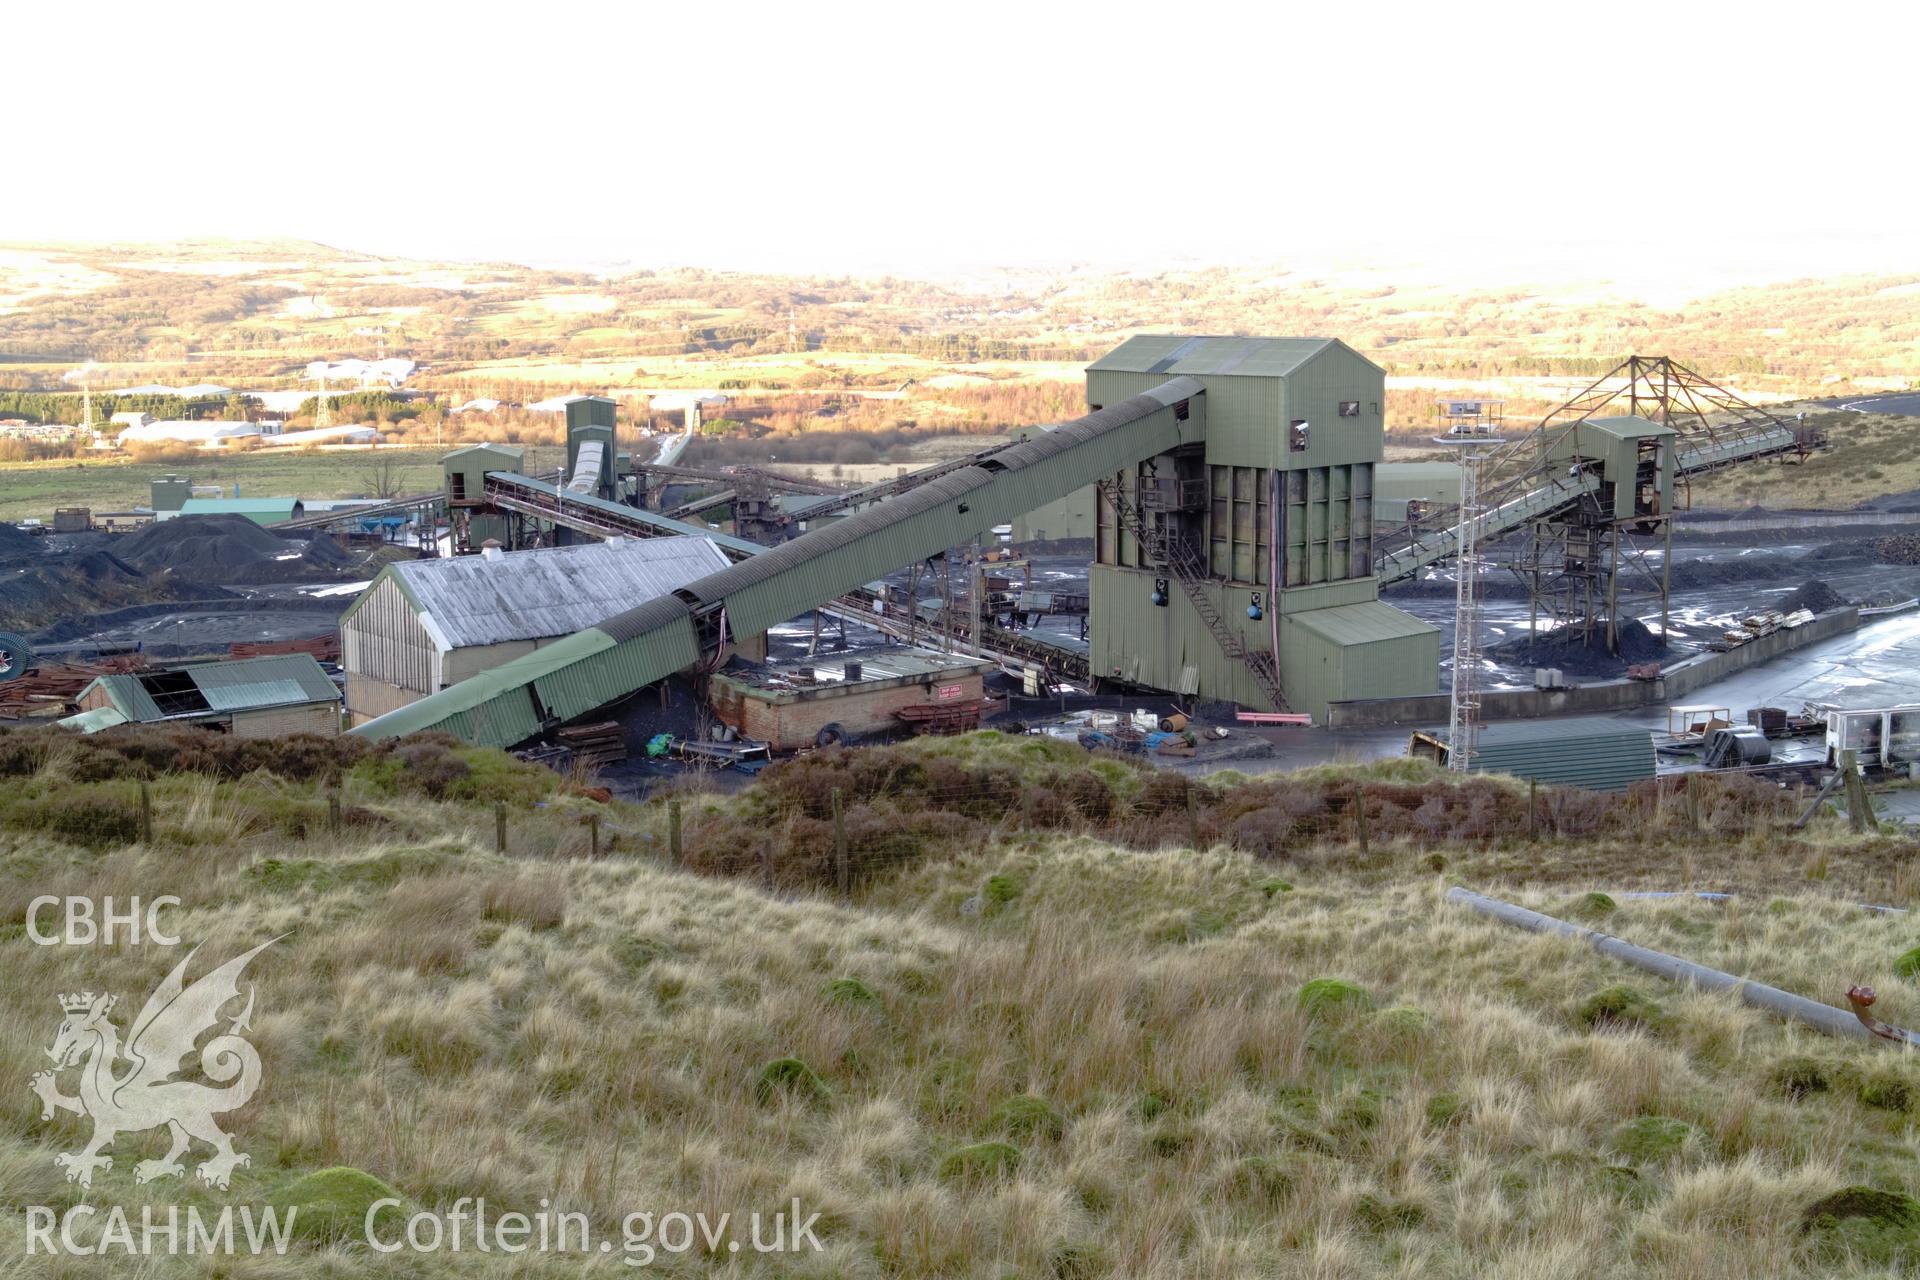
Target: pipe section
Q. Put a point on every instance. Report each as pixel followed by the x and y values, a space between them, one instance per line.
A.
pixel 1821 1017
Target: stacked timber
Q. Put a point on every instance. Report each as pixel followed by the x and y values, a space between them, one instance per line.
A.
pixel 948 718
pixel 593 745
pixel 50 688
pixel 324 648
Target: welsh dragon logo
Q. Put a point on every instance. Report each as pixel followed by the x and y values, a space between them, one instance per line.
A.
pixel 145 1095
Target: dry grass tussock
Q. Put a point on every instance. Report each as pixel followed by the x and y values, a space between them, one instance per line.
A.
pixel 1040 1053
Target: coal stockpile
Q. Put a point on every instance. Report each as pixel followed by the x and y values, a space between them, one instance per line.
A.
pixel 39 590
pixel 230 549
pixel 1582 655
pixel 16 542
pixel 1812 594
pixel 1898 548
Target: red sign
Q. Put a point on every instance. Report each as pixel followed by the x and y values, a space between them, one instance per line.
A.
pixel 950 691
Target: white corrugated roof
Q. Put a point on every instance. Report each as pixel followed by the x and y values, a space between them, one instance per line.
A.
pixel 553 591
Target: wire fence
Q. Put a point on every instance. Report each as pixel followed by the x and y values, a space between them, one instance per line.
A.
pixel 810 830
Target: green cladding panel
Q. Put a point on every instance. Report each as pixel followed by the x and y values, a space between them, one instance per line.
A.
pixel 1596 752
pixel 1257 388
pixel 170 493
pixel 591 411
pixel 593 418
pixel 465 470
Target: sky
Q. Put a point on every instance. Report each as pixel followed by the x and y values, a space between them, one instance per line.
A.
pixel 1673 141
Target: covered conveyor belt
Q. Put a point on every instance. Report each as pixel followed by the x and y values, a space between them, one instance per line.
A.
pixel 590 668
pixel 586 467
pixel 1537 489
pixel 597 516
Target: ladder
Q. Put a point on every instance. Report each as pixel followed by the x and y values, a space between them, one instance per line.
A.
pixel 1160 548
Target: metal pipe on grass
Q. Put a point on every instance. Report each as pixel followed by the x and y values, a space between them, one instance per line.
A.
pixel 1821 1017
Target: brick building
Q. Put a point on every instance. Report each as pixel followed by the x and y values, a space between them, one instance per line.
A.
pixel 787 705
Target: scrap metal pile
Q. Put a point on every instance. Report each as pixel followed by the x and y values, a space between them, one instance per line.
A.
pixel 324 648
pixel 50 689
pixel 1760 624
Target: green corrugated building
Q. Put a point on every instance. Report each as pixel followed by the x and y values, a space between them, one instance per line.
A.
pixel 466 471
pixel 264 697
pixel 592 420
pixel 258 510
pixel 1275 501
pixel 1395 484
pixel 1062 520
pixel 1595 752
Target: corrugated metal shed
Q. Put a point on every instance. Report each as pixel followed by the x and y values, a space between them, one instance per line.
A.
pixel 1595 752
pixel 258 510
pixel 553 591
pixel 245 684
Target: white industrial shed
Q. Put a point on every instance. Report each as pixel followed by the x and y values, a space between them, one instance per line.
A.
pixel 423 625
pixel 179 431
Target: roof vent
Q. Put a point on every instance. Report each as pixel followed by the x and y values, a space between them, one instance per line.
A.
pixel 616 541
pixel 490 549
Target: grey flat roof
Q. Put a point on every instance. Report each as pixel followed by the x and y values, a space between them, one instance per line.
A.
pixel 892 663
pixel 1505 732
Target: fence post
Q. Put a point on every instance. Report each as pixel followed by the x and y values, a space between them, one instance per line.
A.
pixel 1533 808
pixel 333 812
pixel 766 866
pixel 673 830
pixel 146 814
pixel 499 826
pixel 842 869
pixel 1693 803
pixel 1360 815
pixel 1859 807
pixel 593 836
pixel 1193 819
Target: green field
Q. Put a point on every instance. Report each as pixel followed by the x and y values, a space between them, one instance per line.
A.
pixel 116 484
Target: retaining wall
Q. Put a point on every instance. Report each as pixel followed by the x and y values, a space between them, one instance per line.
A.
pixel 1603 697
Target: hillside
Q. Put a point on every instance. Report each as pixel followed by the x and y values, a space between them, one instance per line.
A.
pixel 255 314
pixel 1042 1038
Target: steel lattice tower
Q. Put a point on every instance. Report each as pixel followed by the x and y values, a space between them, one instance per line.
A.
pixel 1472 432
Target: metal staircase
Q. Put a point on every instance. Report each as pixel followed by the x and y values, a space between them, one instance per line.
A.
pixel 1159 548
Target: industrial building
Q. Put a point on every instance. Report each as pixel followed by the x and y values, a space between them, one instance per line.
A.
pixel 207 433
pixel 1238 565
pixel 1402 490
pixel 249 698
pixel 1595 752
pixel 425 625
pixel 797 704
pixel 1234 487
pixel 1229 635
pixel 1067 519
pixel 262 511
